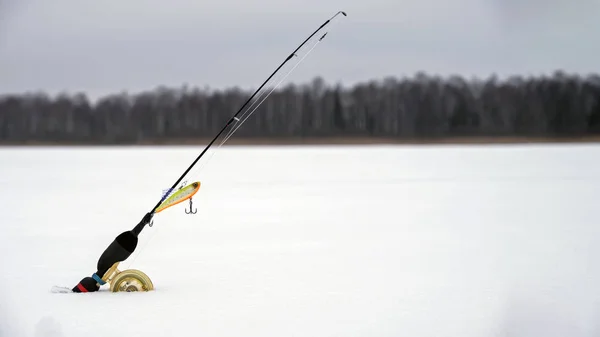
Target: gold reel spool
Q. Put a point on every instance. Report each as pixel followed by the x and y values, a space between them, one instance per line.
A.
pixel 128 280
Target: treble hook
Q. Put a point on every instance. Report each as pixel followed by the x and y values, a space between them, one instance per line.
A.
pixel 191 211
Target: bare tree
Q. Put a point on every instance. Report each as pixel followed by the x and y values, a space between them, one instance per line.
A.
pixel 422 106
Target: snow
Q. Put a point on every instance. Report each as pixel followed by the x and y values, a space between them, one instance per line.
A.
pixel 308 241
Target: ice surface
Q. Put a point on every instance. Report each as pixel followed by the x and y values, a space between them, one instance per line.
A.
pixel 308 241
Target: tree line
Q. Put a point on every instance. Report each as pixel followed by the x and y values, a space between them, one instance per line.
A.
pixel 418 107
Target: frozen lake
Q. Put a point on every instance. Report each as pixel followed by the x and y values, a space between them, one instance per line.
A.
pixel 380 241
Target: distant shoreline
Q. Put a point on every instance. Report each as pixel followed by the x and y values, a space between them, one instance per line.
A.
pixel 324 141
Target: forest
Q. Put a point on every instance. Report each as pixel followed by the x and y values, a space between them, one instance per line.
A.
pixel 419 107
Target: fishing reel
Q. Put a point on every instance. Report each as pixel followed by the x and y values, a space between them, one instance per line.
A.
pixel 128 280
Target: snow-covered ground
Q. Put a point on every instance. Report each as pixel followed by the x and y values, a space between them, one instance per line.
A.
pixel 308 241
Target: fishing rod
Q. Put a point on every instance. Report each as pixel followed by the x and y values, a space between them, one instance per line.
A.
pixel 125 243
pixel 148 217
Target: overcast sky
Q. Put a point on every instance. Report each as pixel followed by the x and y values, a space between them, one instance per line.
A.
pixel 112 45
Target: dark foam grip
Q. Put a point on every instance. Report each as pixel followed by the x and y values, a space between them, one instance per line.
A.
pixel 119 250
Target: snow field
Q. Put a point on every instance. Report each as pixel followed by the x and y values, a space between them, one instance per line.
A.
pixel 308 241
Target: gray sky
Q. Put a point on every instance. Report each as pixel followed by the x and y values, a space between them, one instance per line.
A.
pixel 112 45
